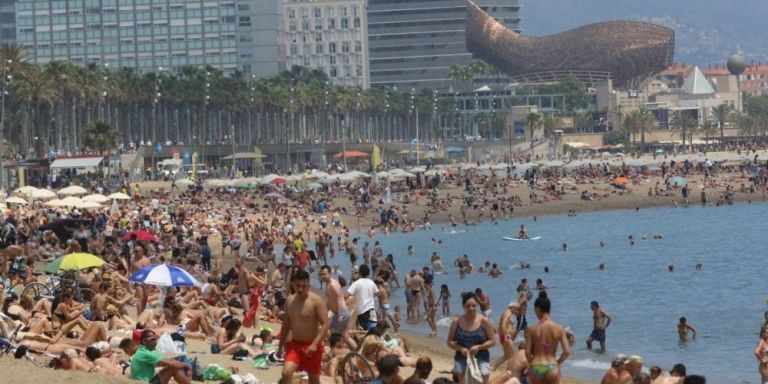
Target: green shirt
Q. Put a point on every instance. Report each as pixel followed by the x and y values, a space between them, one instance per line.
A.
pixel 143 363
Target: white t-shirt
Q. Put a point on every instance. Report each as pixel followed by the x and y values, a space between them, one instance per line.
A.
pixel 365 291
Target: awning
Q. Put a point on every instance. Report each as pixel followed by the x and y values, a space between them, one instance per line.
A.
pixel 244 155
pixel 76 162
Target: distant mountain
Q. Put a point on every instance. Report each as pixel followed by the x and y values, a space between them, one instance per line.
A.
pixel 706 31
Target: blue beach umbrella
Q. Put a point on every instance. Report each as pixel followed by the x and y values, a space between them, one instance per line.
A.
pixel 164 275
pixel 454 149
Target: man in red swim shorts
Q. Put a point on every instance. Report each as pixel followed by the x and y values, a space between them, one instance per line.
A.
pixel 306 319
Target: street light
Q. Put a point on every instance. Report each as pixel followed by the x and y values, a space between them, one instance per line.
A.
pixel 155 100
pixel 7 77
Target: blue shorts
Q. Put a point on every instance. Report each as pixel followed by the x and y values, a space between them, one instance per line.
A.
pixel 598 335
pixel 339 322
pixel 460 366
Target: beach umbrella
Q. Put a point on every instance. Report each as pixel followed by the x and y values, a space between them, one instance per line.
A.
pixel 73 190
pixel 350 154
pixel 54 203
pixel 43 194
pixel 96 198
pixel 88 205
pixel 621 181
pixel 274 195
pixel 164 275
pixel 74 261
pixel 383 175
pixel 16 200
pixel 119 196
pixel 185 182
pixel 141 235
pixel 318 175
pixel 70 201
pixel 677 180
pixel 418 169
pixel 273 179
pixel 313 186
pixel 297 177
pixel 26 190
pixel 358 174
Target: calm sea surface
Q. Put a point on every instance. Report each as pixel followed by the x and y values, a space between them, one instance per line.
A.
pixel 724 301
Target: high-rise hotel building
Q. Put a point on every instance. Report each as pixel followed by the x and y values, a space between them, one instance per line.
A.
pixel 329 35
pixel 413 43
pixel 151 35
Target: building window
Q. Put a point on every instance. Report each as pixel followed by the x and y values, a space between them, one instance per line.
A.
pixel 333 72
pixel 292 25
pixel 345 47
pixel 319 49
pixel 294 49
pixel 331 23
pixel 305 25
pixel 319 37
pixel 328 11
pixel 318 13
pixel 245 21
pixel 332 60
pixel 306 61
pixel 318 24
pixel 331 47
pixel 357 22
pixel 304 13
pixel 344 23
pixel 358 46
pixel 343 11
pixel 291 13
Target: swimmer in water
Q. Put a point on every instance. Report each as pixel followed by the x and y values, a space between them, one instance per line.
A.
pixel 602 243
pixel 601 267
pixel 671 267
pixel 683 328
pixel 565 247
pixel 410 250
pixel 540 285
pixel 698 266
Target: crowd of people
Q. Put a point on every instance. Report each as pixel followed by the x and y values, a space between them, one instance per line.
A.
pixel 98 320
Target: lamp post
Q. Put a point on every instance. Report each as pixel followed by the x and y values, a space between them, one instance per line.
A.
pixel 155 100
pixel 415 107
pixel 6 79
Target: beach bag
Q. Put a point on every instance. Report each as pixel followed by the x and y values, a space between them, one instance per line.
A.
pixel 165 344
pixel 197 369
pixel 244 379
pixel 473 370
pixel 214 372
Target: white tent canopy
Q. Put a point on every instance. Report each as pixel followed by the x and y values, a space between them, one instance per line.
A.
pixel 77 162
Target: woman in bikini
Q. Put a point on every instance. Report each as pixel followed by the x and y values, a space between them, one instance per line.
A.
pixel 761 352
pixel 541 345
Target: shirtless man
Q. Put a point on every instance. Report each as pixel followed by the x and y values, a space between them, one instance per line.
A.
pixel 507 333
pixel 613 373
pixel 416 286
pixel 431 305
pixel 336 304
pixel 601 321
pixel 101 300
pixel 385 308
pixel 682 329
pixel 495 271
pixel 242 283
pixel 139 261
pixel 306 320
pixel 523 233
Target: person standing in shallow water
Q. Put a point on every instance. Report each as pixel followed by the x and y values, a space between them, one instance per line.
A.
pixel 541 345
pixel 601 321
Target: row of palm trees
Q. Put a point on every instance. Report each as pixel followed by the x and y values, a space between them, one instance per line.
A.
pixel 638 123
pixel 54 104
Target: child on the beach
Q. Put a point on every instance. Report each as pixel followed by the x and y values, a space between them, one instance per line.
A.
pixel 445 294
pixel 396 316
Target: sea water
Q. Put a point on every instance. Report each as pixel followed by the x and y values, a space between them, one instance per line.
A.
pixel 724 301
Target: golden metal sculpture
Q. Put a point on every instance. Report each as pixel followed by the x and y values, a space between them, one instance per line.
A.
pixel 626 51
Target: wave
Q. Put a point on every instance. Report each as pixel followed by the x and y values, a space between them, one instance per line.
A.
pixel 445 322
pixel 590 364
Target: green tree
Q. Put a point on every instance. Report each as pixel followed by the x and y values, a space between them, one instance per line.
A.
pixel 643 122
pixel 532 122
pixel 575 92
pixel 709 128
pixel 100 136
pixel 723 113
pixel 684 124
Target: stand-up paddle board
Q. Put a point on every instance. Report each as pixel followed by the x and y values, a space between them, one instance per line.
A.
pixel 519 239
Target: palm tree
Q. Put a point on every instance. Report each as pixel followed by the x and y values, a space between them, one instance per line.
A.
pixel 709 128
pixel 683 123
pixel 747 125
pixel 100 136
pixel 36 89
pixel 643 122
pixel 723 113
pixel 532 121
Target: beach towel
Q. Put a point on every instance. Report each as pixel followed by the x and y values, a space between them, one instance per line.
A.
pixel 473 370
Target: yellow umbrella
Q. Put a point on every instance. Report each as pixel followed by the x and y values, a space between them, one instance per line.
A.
pixel 74 261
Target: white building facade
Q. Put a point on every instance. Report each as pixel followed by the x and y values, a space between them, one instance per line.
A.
pixel 330 35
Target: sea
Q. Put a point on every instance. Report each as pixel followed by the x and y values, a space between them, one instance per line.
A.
pixel 725 301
